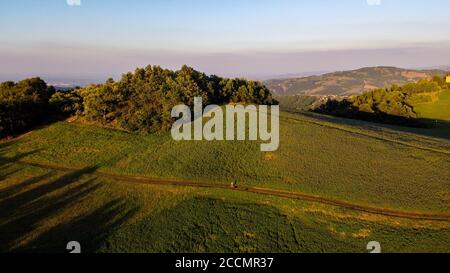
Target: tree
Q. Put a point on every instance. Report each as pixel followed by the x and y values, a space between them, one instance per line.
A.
pixel 23 105
pixel 143 100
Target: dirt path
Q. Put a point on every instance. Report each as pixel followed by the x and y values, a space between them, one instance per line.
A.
pixel 256 190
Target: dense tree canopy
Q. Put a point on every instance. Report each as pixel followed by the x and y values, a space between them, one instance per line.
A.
pixel 67 102
pixel 143 100
pixel 140 101
pixel 23 104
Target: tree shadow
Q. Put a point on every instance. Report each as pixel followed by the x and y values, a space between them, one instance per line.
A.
pixel 5 144
pixel 34 202
pixel 353 116
pixel 6 162
pixel 16 158
pixel 4 175
pixel 16 188
pixel 91 230
pixel 210 225
pixel 22 208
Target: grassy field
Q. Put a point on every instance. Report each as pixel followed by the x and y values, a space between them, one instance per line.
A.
pixel 313 158
pixel 439 109
pixel 350 161
pixel 42 210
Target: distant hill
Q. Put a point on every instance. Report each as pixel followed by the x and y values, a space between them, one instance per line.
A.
pixel 403 105
pixel 347 83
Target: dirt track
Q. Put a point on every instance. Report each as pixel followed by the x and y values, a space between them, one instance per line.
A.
pixel 256 190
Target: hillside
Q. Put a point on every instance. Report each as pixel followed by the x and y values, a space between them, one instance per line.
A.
pixel 347 83
pixel 437 108
pixel 419 104
pixel 299 102
pixel 332 186
pixel 60 180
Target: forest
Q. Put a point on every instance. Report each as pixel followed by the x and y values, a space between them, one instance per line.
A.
pixel 141 101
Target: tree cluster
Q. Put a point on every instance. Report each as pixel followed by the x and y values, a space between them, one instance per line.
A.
pixel 140 101
pixel 23 105
pixel 390 105
pixel 143 100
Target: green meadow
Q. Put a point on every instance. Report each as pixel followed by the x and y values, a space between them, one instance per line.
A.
pixel 438 109
pixel 352 161
pixel 42 210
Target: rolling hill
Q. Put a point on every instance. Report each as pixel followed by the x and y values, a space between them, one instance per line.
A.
pixel 347 83
pixel 148 193
pixel 333 185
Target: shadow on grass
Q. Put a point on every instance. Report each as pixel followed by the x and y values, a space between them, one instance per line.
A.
pixel 91 230
pixel 424 127
pixel 17 188
pixel 8 160
pixel 24 206
pixel 5 161
pixel 38 201
pixel 28 206
pixel 218 226
pixel 6 174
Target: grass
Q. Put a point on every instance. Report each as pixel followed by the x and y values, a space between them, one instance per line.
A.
pixel 344 162
pixel 41 210
pixel 438 109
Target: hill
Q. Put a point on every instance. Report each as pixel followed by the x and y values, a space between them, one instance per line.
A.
pixel 60 181
pixel 413 104
pixel 346 83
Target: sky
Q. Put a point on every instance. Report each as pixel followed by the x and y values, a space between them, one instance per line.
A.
pixel 96 39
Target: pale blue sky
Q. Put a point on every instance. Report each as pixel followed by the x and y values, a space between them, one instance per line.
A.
pixel 229 37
